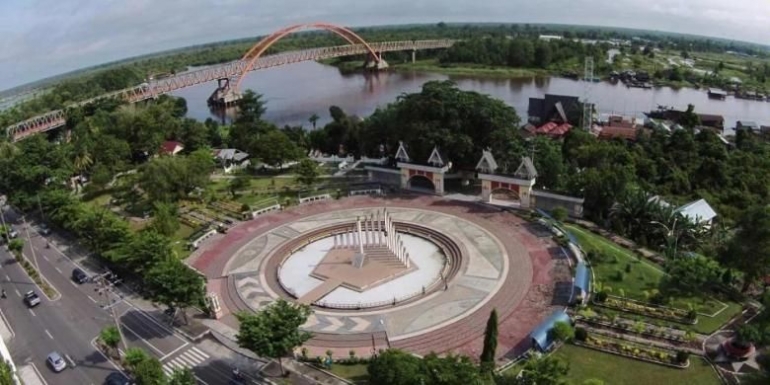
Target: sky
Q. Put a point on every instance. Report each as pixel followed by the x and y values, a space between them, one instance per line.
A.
pixel 42 38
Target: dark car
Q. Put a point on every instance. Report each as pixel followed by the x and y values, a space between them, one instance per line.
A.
pixel 79 276
pixel 44 229
pixel 117 378
pixel 31 299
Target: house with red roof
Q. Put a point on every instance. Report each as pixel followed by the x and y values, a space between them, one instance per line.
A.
pixel 170 147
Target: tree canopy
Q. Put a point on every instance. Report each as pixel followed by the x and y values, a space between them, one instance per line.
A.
pixel 274 331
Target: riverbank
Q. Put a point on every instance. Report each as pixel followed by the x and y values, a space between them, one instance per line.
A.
pixel 433 66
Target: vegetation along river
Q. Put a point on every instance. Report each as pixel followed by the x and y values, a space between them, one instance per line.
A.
pixel 295 92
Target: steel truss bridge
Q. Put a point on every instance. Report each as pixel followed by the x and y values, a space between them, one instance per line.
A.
pixel 235 70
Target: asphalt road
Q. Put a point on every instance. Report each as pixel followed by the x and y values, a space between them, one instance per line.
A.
pixel 70 323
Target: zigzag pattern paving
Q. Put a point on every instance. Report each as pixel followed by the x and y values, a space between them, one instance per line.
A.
pixel 508 266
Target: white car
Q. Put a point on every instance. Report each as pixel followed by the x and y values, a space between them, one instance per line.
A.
pixel 56 362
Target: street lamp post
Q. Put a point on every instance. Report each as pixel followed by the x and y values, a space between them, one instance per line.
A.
pixel 106 288
pixel 670 232
pixel 31 247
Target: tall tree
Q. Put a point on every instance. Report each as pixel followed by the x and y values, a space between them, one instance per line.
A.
pixel 395 367
pixel 307 172
pixel 313 119
pixel 274 332
pixel 164 218
pixel 182 377
pixel 490 343
pixel 175 285
pixel 749 250
pixel 149 372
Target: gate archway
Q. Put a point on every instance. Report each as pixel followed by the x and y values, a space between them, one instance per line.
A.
pixel 421 182
pixel 505 195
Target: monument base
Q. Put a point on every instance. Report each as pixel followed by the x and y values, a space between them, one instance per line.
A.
pixel 378 266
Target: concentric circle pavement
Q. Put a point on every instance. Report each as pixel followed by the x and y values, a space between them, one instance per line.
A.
pixel 507 267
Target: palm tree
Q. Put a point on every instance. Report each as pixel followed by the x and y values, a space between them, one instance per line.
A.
pixel 313 119
pixel 82 161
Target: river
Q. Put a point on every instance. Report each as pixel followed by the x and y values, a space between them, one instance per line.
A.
pixel 295 92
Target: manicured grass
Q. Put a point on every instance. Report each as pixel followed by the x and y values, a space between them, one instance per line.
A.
pixel 355 373
pixel 645 276
pixel 587 363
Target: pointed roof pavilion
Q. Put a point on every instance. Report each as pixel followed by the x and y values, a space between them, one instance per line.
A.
pixel 401 154
pixel 526 169
pixel 435 159
pixel 487 163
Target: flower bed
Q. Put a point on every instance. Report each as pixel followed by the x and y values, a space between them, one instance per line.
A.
pixel 228 207
pixel 649 331
pixel 649 310
pixel 652 355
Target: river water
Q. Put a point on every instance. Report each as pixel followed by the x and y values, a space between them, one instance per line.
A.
pixel 295 92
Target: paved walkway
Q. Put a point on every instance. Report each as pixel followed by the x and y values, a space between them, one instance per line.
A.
pixel 538 282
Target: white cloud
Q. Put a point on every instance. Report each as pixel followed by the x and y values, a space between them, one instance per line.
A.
pixel 46 37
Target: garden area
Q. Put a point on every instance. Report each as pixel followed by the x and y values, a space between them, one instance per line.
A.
pixel 634 284
pixel 587 363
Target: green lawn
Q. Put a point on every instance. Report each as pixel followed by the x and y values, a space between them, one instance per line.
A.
pixel 645 276
pixel 356 374
pixel 586 363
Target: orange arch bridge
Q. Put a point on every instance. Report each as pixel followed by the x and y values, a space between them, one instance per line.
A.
pixel 258 49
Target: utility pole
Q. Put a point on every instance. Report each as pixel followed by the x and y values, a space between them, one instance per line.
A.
pixel 31 248
pixel 105 288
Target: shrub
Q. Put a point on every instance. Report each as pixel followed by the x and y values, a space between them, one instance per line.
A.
pixel 628 268
pixel 581 334
pixel 682 357
pixel 601 296
pixel 658 299
pixel 559 213
pixel 692 315
pixel 619 276
pixel 245 208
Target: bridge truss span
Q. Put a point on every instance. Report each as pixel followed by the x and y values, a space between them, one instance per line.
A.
pixel 231 70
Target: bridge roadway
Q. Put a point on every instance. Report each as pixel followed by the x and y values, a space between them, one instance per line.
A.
pixel 230 70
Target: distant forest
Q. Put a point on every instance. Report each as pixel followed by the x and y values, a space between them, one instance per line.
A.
pixel 118 75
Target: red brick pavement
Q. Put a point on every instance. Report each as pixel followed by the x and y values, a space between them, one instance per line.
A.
pixel 517 316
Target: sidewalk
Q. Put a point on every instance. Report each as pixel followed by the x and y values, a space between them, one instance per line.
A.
pixel 29 376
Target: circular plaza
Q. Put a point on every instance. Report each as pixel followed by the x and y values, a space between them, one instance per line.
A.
pixel 418 273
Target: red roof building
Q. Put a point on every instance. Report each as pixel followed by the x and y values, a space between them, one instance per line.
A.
pixel 170 147
pixel 552 129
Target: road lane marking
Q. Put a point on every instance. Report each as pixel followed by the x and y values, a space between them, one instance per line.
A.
pixel 174 351
pixel 160 352
pixel 57 269
pixel 92 300
pixel 49 334
pixel 44 257
pixel 33 313
pixel 7 278
pixel 73 283
pixel 17 292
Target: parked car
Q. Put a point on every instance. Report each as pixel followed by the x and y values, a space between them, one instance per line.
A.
pixel 117 378
pixel 13 233
pixel 79 276
pixel 44 229
pixel 31 299
pixel 56 362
